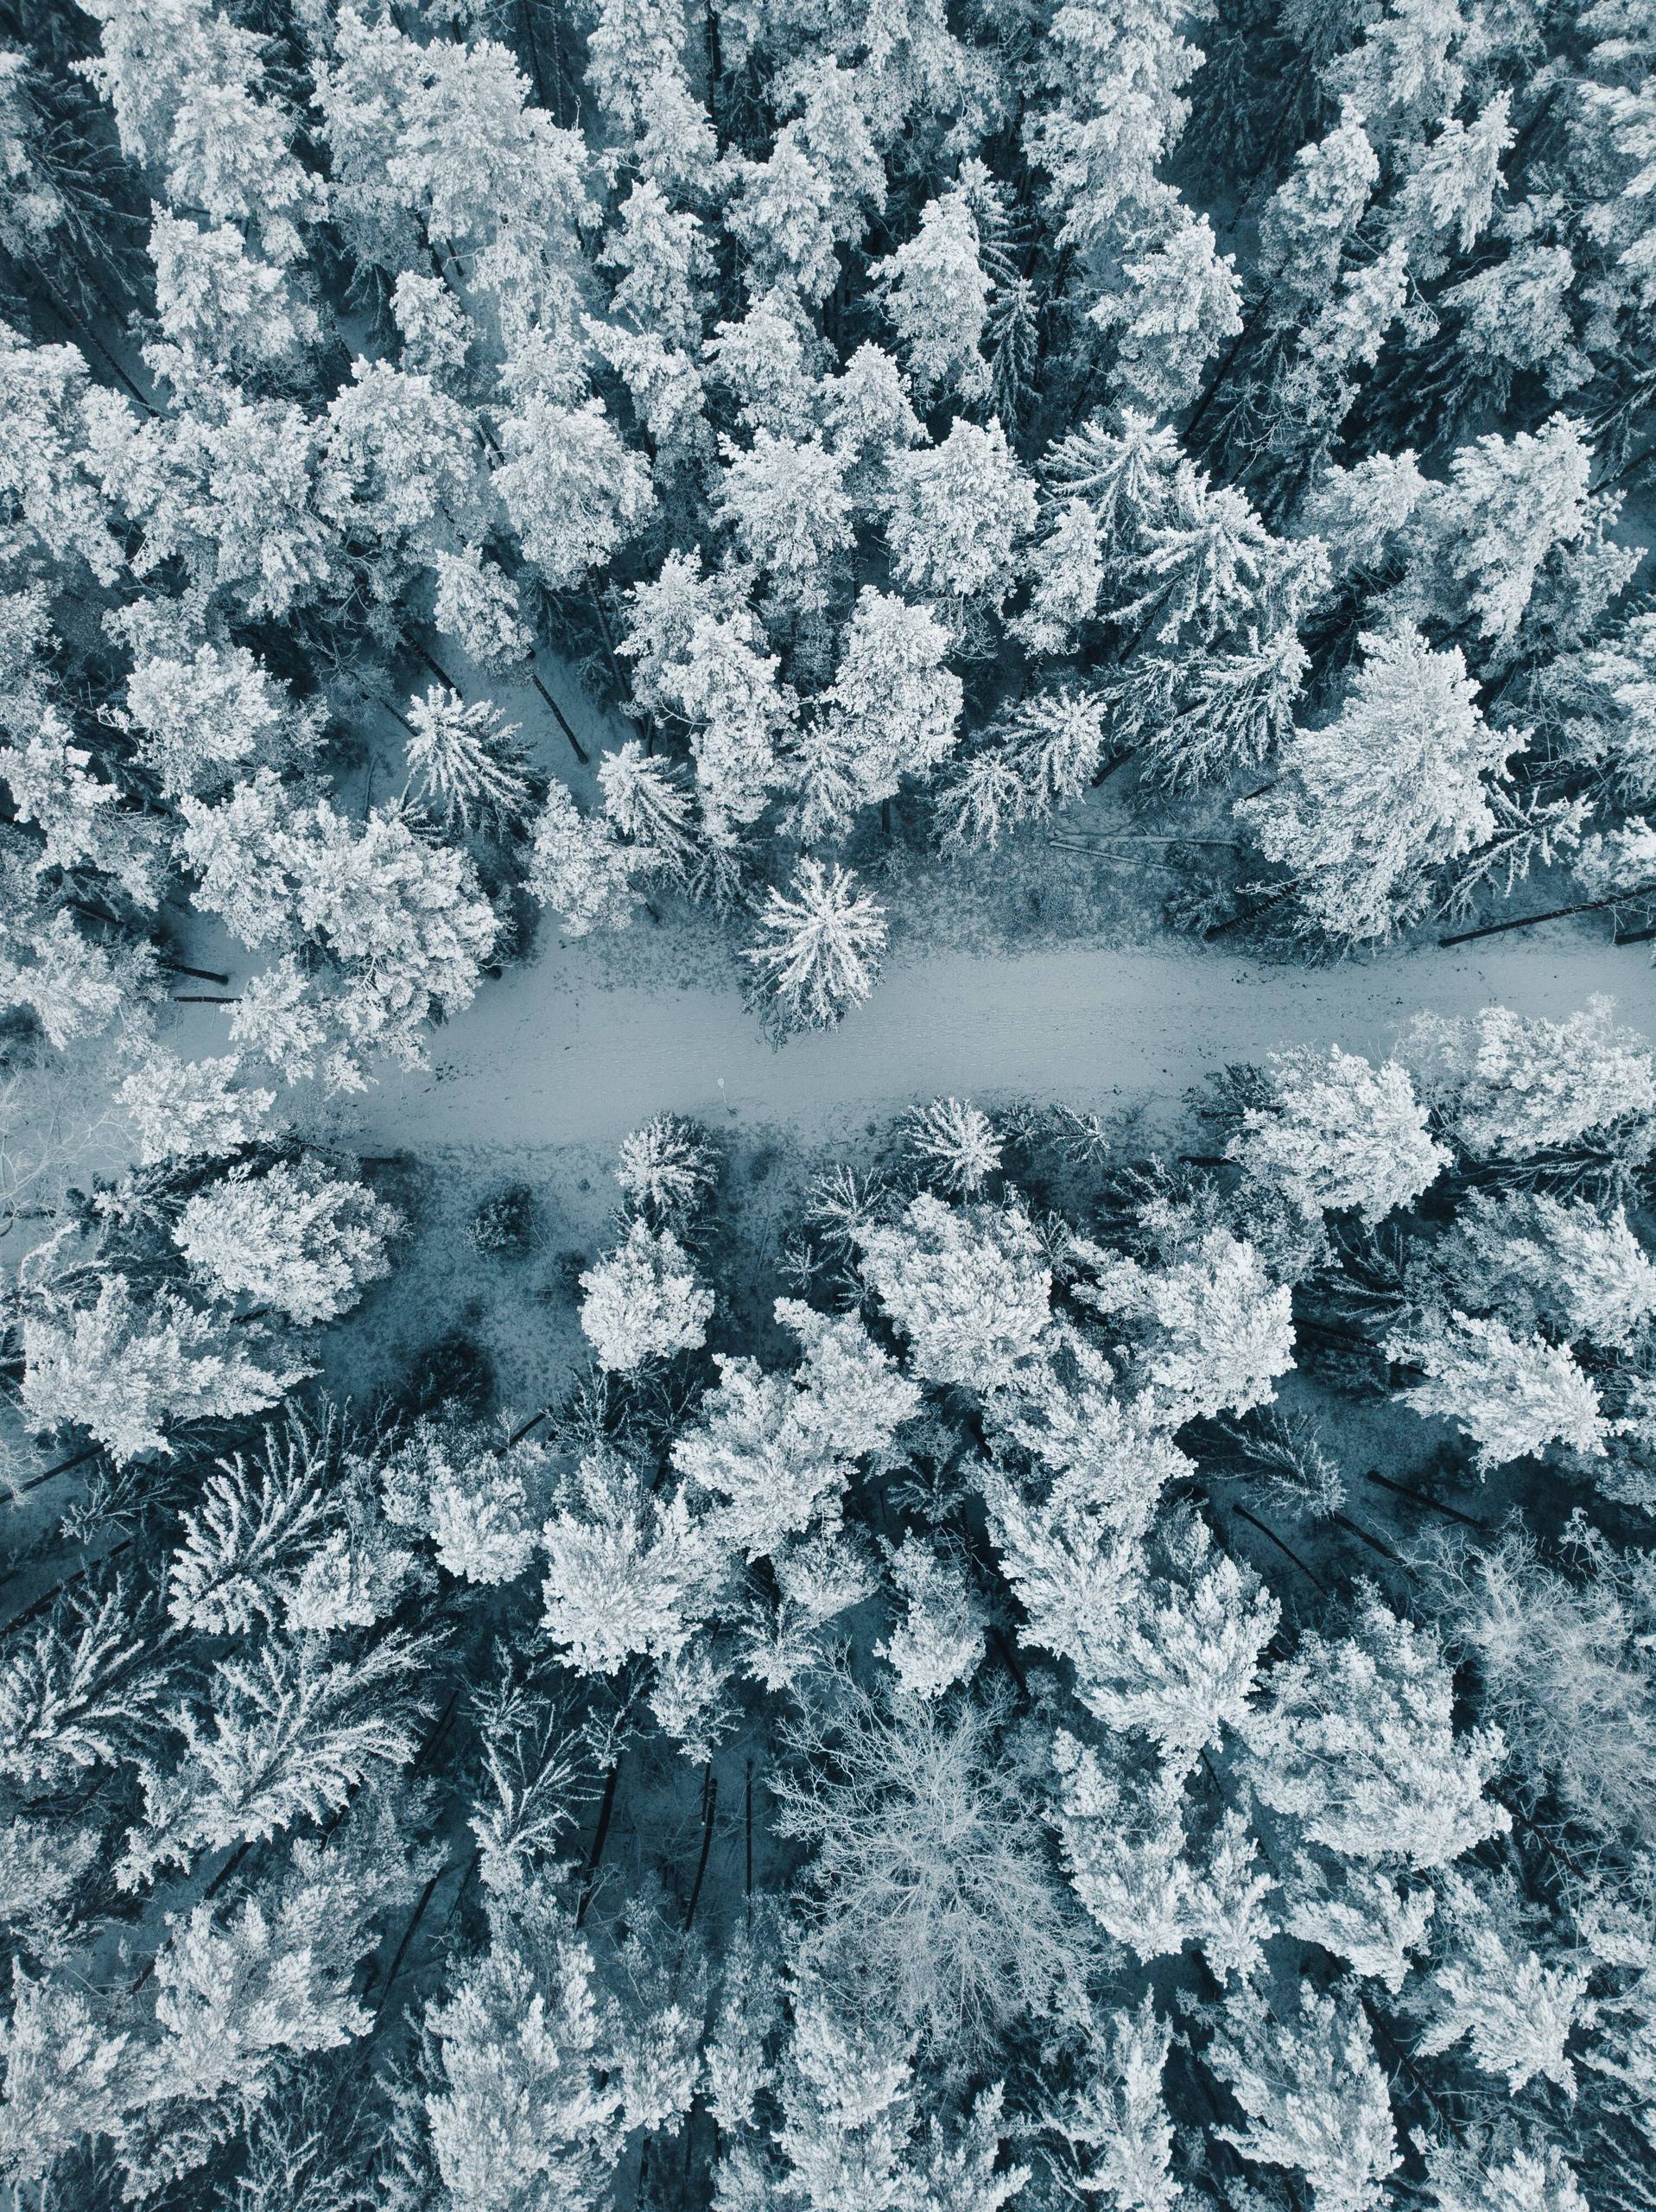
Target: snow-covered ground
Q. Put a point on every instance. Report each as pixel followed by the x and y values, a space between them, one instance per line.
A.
pixel 553 1054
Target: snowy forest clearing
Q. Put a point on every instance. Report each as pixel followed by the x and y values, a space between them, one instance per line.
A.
pixel 540 1059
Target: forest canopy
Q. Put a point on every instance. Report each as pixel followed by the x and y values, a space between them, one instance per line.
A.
pixel 1026 1657
pixel 900 422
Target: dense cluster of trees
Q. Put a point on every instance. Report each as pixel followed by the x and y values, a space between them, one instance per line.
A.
pixel 1066 1674
pixel 1129 1680
pixel 906 417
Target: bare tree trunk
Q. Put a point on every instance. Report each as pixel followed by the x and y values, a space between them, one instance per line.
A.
pixel 1636 463
pixel 227 1870
pixel 67 316
pixel 616 672
pixel 1520 143
pixel 523 1428
pixel 1002 1643
pixel 395 713
pixel 1227 363
pixel 526 17
pixel 1423 1497
pixel 1119 761
pixel 1367 1536
pixel 435 666
pixel 1553 914
pixel 710 39
pixel 422 1756
pixel 561 719
pixel 1310 1573
pixel 1247 914
pixel 91 1451
pixel 600 1837
pixel 415 1918
pixel 709 1806
pixel 201 975
pixel 49 1597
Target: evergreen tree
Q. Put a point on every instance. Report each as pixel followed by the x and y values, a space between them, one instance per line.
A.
pixel 785 502
pixel 478 606
pixel 130 1372
pixel 252 1526
pixel 646 803
pixel 1513 1087
pixel 821 943
pixel 956 1145
pixel 73 1696
pixel 666 1170
pixel 1514 2012
pixel 285 1734
pixel 846 2111
pixel 1187 1661
pixel 1179 307
pixel 523 2096
pixel 892 711
pixel 1337 1133
pixel 936 294
pixel 578 866
pixel 1355 1743
pixel 1116 2132
pixel 466 760
pixel 1364 1918
pixel 199 719
pixel 575 494
pixel 293 1238
pixel 1216 1331
pixel 401 917
pixel 192 1109
pixel 970 1288
pixel 1512 1396
pixel 960 514
pixel 629 1574
pixel 68 2074
pixel 1381 800
pixel 1315 2099
pixel 1068 1556
pixel 1558 1261
pixel 641 1301
pixel 939 1639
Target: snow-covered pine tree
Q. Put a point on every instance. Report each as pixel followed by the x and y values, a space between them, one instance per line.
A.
pixel 1356 1743
pixel 294 1237
pixel 1379 802
pixel 1314 2095
pixel 819 951
pixel 641 1301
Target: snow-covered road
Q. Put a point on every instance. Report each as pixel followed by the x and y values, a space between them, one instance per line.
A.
pixel 550 1056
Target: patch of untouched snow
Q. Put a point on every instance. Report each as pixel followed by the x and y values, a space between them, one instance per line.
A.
pixel 533 1063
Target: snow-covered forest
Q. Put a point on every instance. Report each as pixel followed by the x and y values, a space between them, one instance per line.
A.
pixel 1025 1671
pixel 1004 1654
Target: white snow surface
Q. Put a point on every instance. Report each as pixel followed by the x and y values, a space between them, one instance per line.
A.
pixel 549 1056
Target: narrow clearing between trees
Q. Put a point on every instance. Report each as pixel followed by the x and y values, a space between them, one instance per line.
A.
pixel 542 1059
